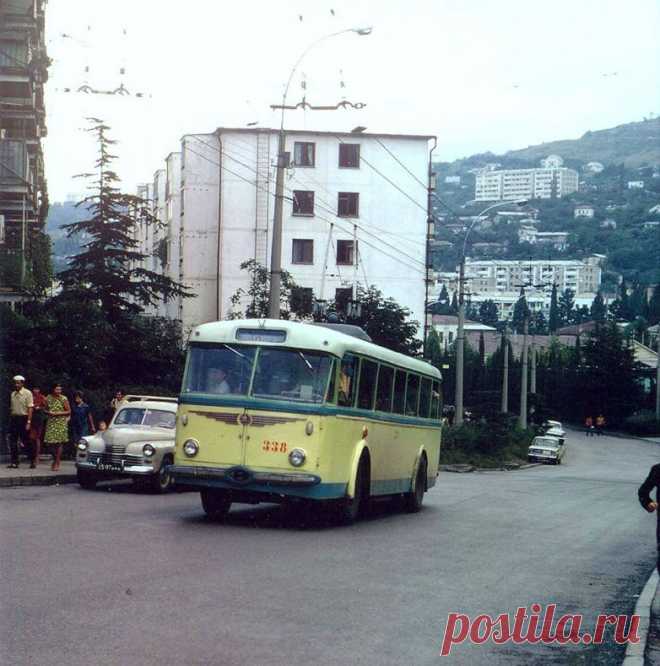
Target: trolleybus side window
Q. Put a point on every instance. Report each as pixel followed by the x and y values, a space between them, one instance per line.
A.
pixel 399 392
pixel 367 388
pixel 412 394
pixel 436 399
pixel 425 398
pixel 347 380
pixel 384 392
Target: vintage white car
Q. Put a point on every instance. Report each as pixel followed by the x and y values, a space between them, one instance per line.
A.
pixel 139 443
pixel 545 448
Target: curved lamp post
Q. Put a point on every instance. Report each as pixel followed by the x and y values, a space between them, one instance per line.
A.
pixel 276 256
pixel 460 333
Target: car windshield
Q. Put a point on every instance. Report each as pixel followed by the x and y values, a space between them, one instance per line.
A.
pixel 219 369
pixel 286 374
pixel 281 374
pixel 153 418
pixel 546 442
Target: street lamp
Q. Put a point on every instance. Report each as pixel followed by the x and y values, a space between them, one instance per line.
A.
pixel 460 333
pixel 282 163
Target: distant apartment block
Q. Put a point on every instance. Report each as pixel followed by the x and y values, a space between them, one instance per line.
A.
pixel 343 225
pixel 512 184
pixel 584 210
pixel 23 192
pixel 500 281
pixel 635 184
pixel 556 239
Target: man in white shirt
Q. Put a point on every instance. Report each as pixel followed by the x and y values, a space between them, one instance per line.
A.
pixel 217 382
pixel 20 420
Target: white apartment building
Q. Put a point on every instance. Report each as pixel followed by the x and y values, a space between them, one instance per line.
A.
pixel 512 184
pixel 344 224
pixel 584 210
pixel 557 239
pixel 500 281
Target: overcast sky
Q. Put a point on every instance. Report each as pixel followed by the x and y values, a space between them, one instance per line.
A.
pixel 480 74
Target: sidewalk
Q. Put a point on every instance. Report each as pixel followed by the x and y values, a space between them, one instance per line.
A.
pixel 652 653
pixel 41 476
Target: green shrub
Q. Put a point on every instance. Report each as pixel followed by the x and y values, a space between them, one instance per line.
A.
pixel 642 423
pixel 487 443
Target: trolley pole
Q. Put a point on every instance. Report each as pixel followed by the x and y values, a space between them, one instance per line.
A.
pixel 460 345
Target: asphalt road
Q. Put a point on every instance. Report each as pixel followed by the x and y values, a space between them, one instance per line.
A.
pixel 115 576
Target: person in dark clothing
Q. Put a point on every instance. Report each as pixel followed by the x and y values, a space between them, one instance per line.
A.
pixel 644 493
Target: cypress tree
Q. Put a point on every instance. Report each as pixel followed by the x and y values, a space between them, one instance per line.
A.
pixel 553 321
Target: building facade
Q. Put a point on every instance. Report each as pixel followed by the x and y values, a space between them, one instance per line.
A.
pixel 512 184
pixel 501 281
pixel 23 192
pixel 344 225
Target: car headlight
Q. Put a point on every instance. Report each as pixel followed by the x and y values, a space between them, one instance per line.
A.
pixel 297 457
pixel 148 450
pixel 83 445
pixel 191 448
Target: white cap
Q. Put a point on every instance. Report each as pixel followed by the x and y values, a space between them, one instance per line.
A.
pixel 19 378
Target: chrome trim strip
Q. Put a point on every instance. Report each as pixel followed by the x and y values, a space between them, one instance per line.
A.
pixel 224 474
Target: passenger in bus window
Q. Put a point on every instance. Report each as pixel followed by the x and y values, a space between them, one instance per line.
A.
pixel 217 381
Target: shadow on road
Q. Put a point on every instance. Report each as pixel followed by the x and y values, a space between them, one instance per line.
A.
pixel 301 516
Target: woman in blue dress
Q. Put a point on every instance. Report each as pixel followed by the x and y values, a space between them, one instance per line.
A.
pixel 82 422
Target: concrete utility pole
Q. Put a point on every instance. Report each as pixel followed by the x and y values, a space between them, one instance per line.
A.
pixel 460 345
pixel 505 374
pixel 522 419
pixel 460 333
pixel 430 231
pixel 532 374
pixel 282 164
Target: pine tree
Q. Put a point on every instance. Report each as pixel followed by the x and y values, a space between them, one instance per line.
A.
pixel 598 308
pixel 488 313
pixel 434 349
pixel 565 307
pixel 654 306
pixel 554 322
pixel 105 270
pixel 520 312
pixel 453 309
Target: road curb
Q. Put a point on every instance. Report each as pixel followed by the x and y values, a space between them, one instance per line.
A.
pixel 465 468
pixel 635 651
pixel 38 480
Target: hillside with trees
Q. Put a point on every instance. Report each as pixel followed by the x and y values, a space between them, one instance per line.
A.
pixel 633 145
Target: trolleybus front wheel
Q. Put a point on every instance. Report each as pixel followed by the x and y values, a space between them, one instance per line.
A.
pixel 216 503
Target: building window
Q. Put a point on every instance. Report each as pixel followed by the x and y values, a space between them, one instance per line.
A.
pixel 304 154
pixel 302 251
pixel 301 300
pixel 343 296
pixel 303 202
pixel 348 204
pixel 2 229
pixel 345 254
pixel 349 155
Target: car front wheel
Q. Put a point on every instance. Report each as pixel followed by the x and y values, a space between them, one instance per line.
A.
pixel 162 481
pixel 87 480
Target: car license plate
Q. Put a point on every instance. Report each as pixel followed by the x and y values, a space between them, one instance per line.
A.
pixel 110 467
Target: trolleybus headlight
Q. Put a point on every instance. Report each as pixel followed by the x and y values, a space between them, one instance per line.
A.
pixel 297 457
pixel 83 445
pixel 191 448
pixel 148 450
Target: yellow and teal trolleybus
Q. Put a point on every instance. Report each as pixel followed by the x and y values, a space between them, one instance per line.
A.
pixel 274 410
